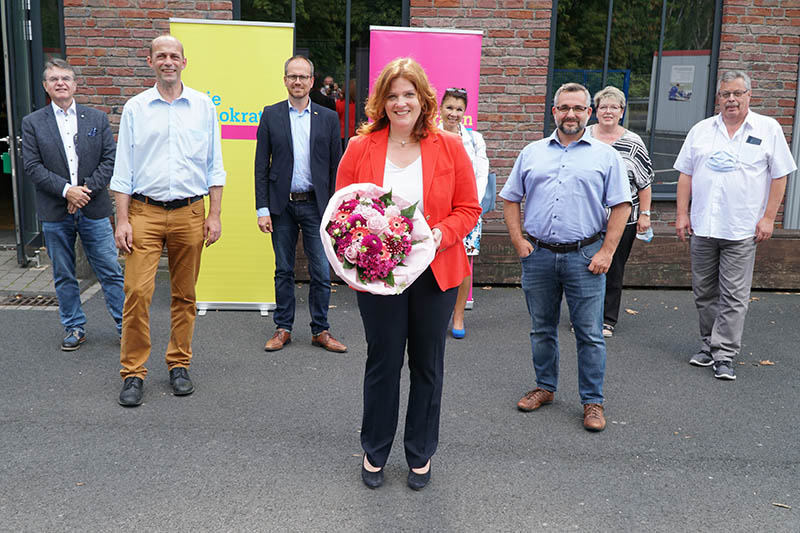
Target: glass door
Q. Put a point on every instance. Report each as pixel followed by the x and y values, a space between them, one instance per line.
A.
pixel 18 80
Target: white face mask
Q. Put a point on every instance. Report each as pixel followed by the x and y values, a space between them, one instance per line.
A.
pixel 722 161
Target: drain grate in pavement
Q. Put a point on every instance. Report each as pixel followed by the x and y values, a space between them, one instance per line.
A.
pixel 35 301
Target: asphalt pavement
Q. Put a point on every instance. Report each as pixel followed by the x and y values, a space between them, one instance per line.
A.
pixel 270 441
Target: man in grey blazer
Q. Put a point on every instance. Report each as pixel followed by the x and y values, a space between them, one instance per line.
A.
pixel 68 152
pixel 297 154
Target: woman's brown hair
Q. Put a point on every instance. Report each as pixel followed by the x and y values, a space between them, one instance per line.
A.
pixel 409 69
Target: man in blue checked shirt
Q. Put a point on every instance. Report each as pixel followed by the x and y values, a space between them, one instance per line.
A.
pixel 168 157
pixel 567 180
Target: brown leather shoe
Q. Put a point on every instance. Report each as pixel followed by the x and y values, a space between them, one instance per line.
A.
pixel 277 341
pixel 326 340
pixel 535 399
pixel 593 418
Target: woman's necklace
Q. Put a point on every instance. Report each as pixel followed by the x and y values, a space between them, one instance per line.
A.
pixel 401 143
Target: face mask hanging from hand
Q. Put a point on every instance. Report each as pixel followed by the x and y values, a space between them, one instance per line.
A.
pixel 722 161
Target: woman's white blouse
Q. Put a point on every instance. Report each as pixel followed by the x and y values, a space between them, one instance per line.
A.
pixel 405 182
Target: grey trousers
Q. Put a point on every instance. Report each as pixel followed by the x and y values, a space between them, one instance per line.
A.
pixel 722 273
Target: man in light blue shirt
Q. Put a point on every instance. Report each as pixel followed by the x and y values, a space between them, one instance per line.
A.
pixel 297 155
pixel 168 157
pixel 567 180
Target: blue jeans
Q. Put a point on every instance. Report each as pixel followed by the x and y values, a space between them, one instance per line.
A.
pixel 97 237
pixel 285 228
pixel 547 275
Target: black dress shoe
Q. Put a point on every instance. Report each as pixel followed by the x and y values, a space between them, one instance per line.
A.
pixel 131 395
pixel 73 340
pixel 418 481
pixel 179 379
pixel 372 480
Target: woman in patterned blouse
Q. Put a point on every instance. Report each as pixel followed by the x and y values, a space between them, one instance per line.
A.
pixel 610 106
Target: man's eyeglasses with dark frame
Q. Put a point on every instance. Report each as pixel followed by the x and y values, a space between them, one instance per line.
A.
pixel 567 108
pixel 738 94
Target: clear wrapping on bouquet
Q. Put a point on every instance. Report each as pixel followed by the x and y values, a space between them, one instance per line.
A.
pixel 376 241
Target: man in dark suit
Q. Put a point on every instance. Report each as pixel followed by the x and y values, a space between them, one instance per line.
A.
pixel 297 154
pixel 68 152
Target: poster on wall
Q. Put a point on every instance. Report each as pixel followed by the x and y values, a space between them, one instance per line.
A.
pixel 237 272
pixel 681 79
pixel 451 58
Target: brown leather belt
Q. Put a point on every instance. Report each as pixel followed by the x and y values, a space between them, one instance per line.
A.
pixel 172 204
pixel 307 196
pixel 568 247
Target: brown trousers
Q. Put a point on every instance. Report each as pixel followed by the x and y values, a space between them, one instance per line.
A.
pixel 182 231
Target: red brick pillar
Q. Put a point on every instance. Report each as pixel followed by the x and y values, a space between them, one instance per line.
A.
pixel 107 44
pixel 516 48
pixel 762 38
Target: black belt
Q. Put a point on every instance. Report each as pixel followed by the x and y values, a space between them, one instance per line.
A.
pixel 307 196
pixel 568 247
pixel 172 204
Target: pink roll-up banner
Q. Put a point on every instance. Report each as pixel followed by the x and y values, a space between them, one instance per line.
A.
pixel 451 58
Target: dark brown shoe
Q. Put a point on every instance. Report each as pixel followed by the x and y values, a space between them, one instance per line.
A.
pixel 535 399
pixel 593 418
pixel 277 341
pixel 326 340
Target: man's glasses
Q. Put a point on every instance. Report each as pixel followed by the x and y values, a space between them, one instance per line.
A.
pixel 56 79
pixel 612 107
pixel 737 94
pixel 567 108
pixel 456 91
pixel 296 77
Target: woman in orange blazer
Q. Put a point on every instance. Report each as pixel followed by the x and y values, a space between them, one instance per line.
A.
pixel 403 150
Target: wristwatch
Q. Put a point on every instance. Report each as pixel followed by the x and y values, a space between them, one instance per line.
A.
pixel 645 212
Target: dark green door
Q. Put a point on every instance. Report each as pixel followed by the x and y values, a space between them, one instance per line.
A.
pixel 17 35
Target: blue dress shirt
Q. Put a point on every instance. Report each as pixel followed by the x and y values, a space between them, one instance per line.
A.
pixel 168 151
pixel 300 123
pixel 567 188
pixel 301 145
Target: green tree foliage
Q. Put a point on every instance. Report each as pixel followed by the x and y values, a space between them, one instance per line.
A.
pixel 635 29
pixel 321 26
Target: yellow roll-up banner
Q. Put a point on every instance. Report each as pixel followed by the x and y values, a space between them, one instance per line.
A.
pixel 240 66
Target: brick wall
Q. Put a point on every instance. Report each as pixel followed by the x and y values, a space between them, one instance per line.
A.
pixel 762 37
pixel 107 42
pixel 516 45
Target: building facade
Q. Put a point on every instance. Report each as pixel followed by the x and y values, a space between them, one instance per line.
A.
pixel 529 48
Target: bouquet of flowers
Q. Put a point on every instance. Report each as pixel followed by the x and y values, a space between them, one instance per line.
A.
pixel 375 241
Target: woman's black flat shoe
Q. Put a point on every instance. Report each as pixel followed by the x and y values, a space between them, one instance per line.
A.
pixel 372 480
pixel 418 481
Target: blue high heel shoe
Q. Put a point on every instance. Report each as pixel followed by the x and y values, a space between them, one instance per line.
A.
pixel 459 333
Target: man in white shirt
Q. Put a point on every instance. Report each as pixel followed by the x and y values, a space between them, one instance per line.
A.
pixel 68 153
pixel 733 167
pixel 169 157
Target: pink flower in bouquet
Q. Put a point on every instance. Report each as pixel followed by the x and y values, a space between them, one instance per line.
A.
pixel 356 220
pixel 399 225
pixel 377 224
pixel 340 217
pixel 373 268
pixel 358 233
pixel 398 245
pixel 349 205
pixel 372 244
pixel 351 252
pixel 378 205
pixel 392 211
pixel 369 236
